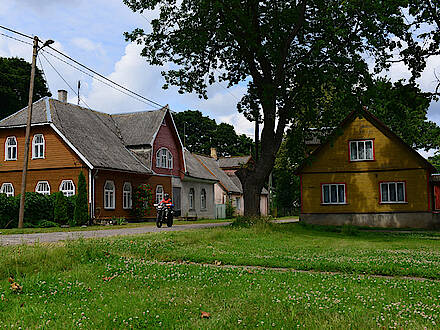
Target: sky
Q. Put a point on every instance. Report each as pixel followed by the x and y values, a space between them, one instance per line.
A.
pixel 91 31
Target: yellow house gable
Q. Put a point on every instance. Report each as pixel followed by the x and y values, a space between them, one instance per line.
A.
pixel 388 152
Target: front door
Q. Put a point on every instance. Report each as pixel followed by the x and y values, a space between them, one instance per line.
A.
pixel 177 201
pixel 437 197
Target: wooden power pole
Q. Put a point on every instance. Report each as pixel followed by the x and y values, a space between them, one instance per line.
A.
pixel 28 133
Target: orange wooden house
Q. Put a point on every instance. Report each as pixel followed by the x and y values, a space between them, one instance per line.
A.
pixel 116 153
pixel 365 175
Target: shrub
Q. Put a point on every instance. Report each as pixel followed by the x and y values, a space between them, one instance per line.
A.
pixel 61 209
pixel 8 211
pixel 81 214
pixel 37 207
pixel 142 201
pixel 230 209
pixel 47 224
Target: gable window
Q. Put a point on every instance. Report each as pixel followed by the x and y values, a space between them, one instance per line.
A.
pixel 191 199
pixel 43 187
pixel 392 192
pixel 8 189
pixel 11 148
pixel 109 195
pixel 203 199
pixel 361 150
pixel 126 196
pixel 159 194
pixel 164 158
pixel 333 193
pixel 67 187
pixel 38 146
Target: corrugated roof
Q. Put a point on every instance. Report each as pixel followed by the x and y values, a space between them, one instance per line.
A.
pixel 213 167
pixel 233 162
pixel 195 168
pixel 39 115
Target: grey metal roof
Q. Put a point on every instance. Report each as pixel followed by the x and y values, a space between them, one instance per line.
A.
pixel 139 127
pixel 234 162
pixel 195 168
pixel 213 167
pixel 18 118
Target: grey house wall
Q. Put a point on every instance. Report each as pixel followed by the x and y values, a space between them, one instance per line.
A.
pixel 197 185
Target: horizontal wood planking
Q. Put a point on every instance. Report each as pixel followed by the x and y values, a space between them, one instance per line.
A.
pixel 389 152
pixel 362 191
pixel 53 176
pixel 57 154
pixel 167 138
pixel 119 178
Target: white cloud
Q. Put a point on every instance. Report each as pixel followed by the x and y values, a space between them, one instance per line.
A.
pixel 89 46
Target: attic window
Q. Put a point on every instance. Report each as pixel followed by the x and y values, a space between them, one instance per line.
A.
pixel 361 150
pixel 164 158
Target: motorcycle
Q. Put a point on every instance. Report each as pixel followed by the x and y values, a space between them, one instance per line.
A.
pixel 165 214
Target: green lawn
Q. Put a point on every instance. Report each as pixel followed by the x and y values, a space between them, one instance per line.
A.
pixel 64 284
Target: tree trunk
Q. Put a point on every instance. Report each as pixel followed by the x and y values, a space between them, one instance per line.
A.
pixel 251 198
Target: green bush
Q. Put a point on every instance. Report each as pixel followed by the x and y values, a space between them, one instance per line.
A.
pixel 37 207
pixel 8 211
pixel 230 209
pixel 81 211
pixel 47 224
pixel 142 201
pixel 61 209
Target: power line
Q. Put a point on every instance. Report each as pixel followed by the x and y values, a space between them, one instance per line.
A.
pixel 44 74
pixel 10 37
pixel 61 76
pixel 151 102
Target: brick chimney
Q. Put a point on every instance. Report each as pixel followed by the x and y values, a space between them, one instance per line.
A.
pixel 214 153
pixel 62 95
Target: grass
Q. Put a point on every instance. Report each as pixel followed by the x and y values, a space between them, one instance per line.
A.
pixel 121 281
pixel 14 231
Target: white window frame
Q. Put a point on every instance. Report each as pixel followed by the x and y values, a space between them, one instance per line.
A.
pixel 109 195
pixel 127 201
pixel 329 185
pixel 8 146
pixel 41 147
pixel 395 183
pixel 159 193
pixel 191 198
pixel 8 193
pixel 164 158
pixel 364 143
pixel 43 192
pixel 67 192
pixel 203 199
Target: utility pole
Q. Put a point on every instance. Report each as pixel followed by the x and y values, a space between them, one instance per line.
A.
pixel 28 129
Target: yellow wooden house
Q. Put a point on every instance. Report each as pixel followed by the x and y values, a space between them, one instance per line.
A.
pixel 366 175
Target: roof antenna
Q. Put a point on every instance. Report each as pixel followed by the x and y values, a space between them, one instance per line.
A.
pixel 79 87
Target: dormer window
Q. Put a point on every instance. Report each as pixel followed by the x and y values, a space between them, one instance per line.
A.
pixel 38 146
pixel 11 148
pixel 361 150
pixel 164 158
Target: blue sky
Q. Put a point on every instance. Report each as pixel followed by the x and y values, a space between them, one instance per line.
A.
pixel 91 31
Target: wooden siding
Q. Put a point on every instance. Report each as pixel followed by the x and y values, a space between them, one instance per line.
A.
pixel 119 178
pixel 53 176
pixel 57 154
pixel 167 138
pixel 389 153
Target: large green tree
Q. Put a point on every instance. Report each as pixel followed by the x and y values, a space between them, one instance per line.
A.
pixel 201 133
pixel 287 52
pixel 14 85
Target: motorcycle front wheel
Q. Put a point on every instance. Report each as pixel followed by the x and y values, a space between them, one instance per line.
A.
pixel 158 221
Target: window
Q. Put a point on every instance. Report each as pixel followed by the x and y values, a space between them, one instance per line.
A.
pixel 203 199
pixel 361 150
pixel 191 199
pixel 333 193
pixel 126 196
pixel 67 187
pixel 164 158
pixel 8 189
pixel 159 194
pixel 38 146
pixel 238 203
pixel 392 192
pixel 109 195
pixel 43 187
pixel 11 148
